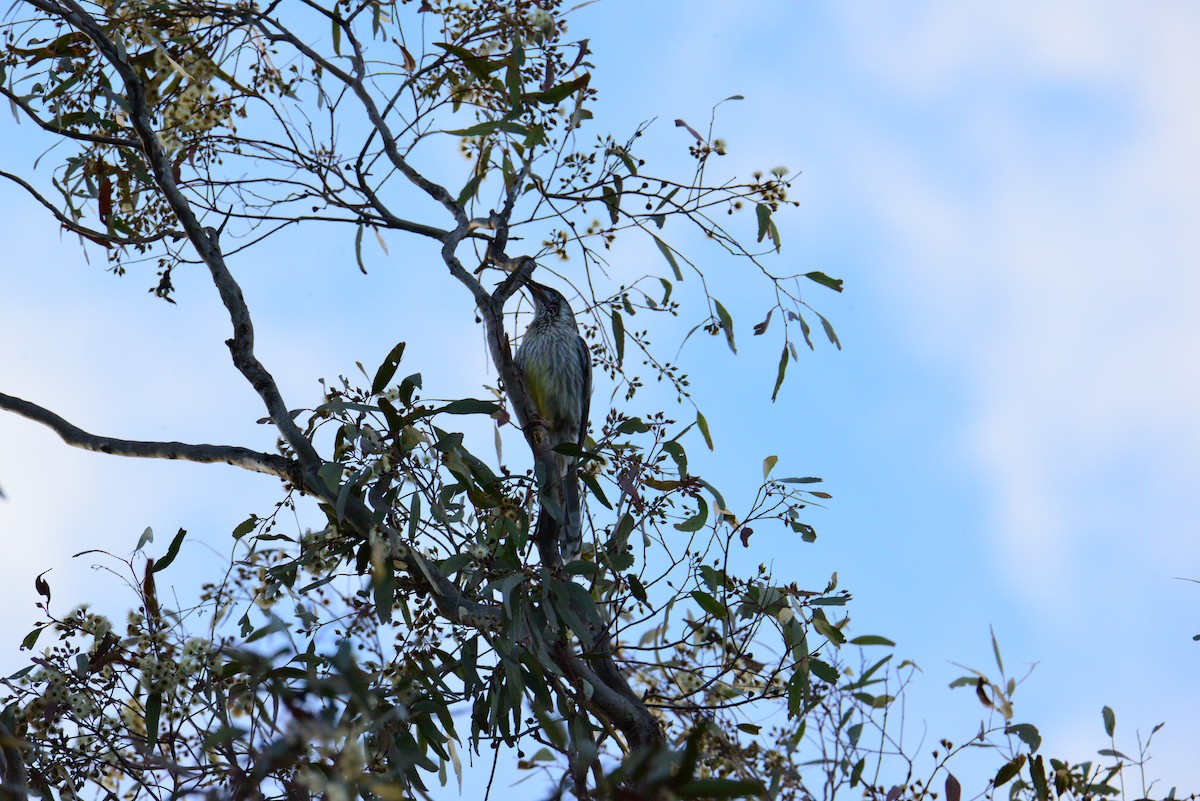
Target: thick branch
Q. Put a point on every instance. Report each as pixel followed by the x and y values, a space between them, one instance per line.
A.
pixel 268 463
pixel 204 240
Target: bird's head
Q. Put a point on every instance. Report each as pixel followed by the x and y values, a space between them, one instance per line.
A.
pixel 549 304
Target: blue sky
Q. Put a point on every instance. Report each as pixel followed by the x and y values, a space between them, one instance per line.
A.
pixel 1010 433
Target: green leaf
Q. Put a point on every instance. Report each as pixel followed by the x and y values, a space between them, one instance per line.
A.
pixel 153 711
pixel 1028 734
pixel 1008 771
pixel 479 67
pixel 821 278
pixel 557 94
pixel 594 487
pixel 857 771
pixel 764 220
pixel 696 521
pixel 383 588
pixel 783 363
pixel 172 552
pixel 823 671
pixel 383 375
pixel 469 406
pixel 245 527
pixel 669 255
pixel 337 35
pixel 769 465
pixel 726 324
pixel 710 604
pixel 829 332
pixel 702 424
pixel 408 386
pixel 618 329
pixel 358 249
pixel 31 638
pixel 635 588
pixel 996 651
pixel 633 425
pixel 721 788
pixel 749 728
pixel 1112 753
pixel 679 455
pixel 1110 721
pixel 1037 772
pixel 827 629
pixel 872 639
pixel 470 188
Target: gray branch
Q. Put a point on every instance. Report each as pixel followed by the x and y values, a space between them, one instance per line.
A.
pixel 99 237
pixel 271 464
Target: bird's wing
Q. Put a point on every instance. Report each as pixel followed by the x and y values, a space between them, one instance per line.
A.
pixel 585 363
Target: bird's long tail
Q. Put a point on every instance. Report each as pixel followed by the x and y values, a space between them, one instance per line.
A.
pixel 570 536
pixel 560 518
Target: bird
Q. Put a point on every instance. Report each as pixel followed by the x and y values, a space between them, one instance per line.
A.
pixel 557 366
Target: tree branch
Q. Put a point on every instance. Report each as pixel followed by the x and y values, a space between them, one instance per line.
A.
pixel 355 85
pixel 271 464
pixel 100 237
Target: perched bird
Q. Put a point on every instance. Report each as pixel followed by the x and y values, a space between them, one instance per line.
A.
pixel 558 372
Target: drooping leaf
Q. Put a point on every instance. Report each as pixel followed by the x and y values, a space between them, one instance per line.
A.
pixel 953 788
pixel 669 255
pixel 1037 773
pixel 1110 721
pixel 783 363
pixel 618 329
pixel 153 711
pixel 726 324
pixel 636 589
pixel 702 424
pixel 857 771
pixel 764 220
pixel 829 332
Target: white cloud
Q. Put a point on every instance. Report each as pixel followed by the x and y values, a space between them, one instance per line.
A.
pixel 1064 279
